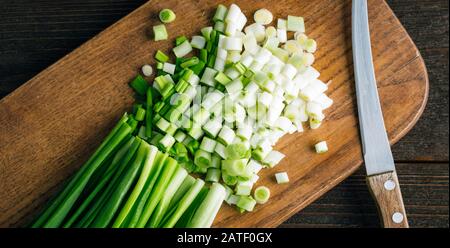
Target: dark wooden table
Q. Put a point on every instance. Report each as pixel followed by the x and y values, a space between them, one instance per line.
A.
pixel 36 33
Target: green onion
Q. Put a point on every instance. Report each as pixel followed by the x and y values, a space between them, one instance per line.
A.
pixel 149 113
pixel 220 14
pixel 184 203
pixel 180 39
pixel 206 32
pixel 213 175
pixel 160 32
pixel 198 68
pixel 202 158
pixel 114 201
pixel 222 78
pixel 167 16
pixel 190 62
pixel 208 209
pixel 145 173
pixel 161 57
pixel 219 26
pixel 203 55
pixel 261 194
pixel 140 114
pixel 234 167
pixel 158 191
pixel 228 179
pixel 140 85
pixel 208 144
pixel 246 202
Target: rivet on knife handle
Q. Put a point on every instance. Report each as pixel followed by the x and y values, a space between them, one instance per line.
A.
pixel 385 190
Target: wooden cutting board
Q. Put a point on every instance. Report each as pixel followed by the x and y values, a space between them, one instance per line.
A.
pixel 51 124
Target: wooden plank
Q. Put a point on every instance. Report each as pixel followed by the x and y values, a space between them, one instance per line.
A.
pixel 63 113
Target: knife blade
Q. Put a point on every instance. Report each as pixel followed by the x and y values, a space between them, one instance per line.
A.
pixel 380 168
pixel 376 149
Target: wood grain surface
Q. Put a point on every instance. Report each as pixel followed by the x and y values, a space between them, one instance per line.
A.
pixel 87 141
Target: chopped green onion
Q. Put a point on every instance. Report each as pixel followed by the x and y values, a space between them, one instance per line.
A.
pixel 243 188
pixel 140 85
pixel 203 55
pixel 206 32
pixel 183 49
pixel 228 179
pixel 202 158
pixel 166 142
pixel 222 78
pixel 261 194
pixel 198 42
pixel 220 14
pixel 180 39
pixel 160 32
pixel 282 177
pixel 167 16
pixel 234 167
pixel 213 175
pixel 190 62
pixel 219 26
pixel 161 57
pixel 296 24
pixel 246 202
pixel 208 144
pixel 321 147
pixel 208 209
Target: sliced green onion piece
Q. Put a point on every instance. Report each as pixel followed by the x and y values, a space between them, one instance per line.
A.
pixel 161 57
pixel 228 179
pixel 202 158
pixel 206 32
pixel 180 39
pixel 198 42
pixel 220 14
pixel 282 177
pixel 160 32
pixel 321 147
pixel 246 202
pixel 213 175
pixel 234 167
pixel 140 85
pixel 190 62
pixel 183 49
pixel 243 188
pixel 296 24
pixel 208 144
pixel 167 16
pixel 261 194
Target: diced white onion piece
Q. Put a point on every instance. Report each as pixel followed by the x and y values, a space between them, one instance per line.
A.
pixel 232 44
pixel 226 135
pixel 273 158
pixel 324 101
pixel 219 64
pixel 257 30
pixel 296 24
pixel 289 71
pixel 282 177
pixel 283 123
pixel 169 68
pixel 220 150
pixel 147 70
pixel 321 147
pixel 314 89
pixel 183 49
pixel 263 16
pixel 198 42
pixel 282 35
pixel 233 13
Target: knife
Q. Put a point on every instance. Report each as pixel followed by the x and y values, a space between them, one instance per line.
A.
pixel 381 175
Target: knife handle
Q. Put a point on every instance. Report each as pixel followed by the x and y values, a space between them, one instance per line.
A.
pixel 385 189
